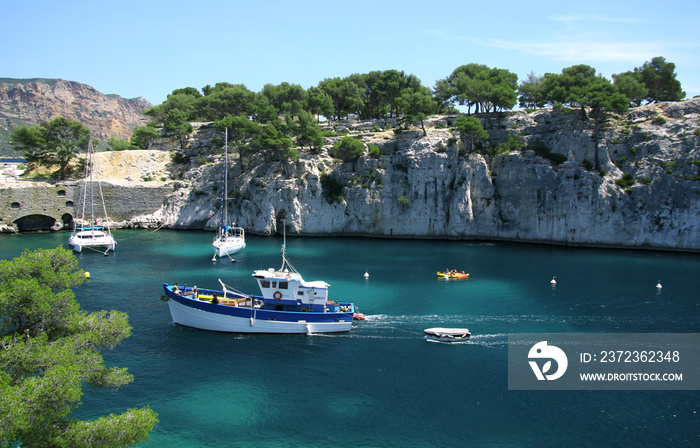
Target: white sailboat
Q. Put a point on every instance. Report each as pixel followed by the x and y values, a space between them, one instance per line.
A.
pixel 86 232
pixel 229 239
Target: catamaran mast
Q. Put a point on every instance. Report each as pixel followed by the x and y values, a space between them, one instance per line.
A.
pixel 92 192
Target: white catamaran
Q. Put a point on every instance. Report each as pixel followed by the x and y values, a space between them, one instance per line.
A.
pixel 86 232
pixel 229 239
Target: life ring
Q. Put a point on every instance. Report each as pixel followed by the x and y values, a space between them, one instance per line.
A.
pixel 303 309
pixel 277 295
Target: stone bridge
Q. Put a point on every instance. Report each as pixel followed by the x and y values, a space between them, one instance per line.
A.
pixel 28 205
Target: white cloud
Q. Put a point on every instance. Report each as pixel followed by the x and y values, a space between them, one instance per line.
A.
pixel 568 19
pixel 581 51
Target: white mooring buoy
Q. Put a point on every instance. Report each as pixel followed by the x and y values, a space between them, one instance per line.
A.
pixel 554 280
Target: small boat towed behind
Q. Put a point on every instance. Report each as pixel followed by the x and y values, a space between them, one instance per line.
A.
pixel 447 334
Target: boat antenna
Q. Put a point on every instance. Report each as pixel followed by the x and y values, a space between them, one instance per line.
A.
pixel 284 245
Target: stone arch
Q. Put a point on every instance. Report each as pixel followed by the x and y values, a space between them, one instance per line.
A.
pixel 69 204
pixel 67 219
pixel 61 193
pixel 31 223
pixel 15 205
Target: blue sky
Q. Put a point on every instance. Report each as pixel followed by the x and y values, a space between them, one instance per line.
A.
pixel 149 48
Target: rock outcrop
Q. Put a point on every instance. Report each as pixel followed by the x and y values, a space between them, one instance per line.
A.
pixel 427 187
pixel 27 102
pixel 645 193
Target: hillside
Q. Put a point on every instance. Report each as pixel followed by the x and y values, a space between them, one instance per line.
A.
pixel 645 195
pixel 27 102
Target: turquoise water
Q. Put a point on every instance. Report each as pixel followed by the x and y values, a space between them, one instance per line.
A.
pixel 382 385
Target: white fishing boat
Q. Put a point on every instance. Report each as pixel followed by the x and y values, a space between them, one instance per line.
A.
pixel 440 334
pixel 229 239
pixel 286 304
pixel 86 232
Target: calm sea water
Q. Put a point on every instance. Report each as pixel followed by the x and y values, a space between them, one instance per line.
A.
pixel 382 385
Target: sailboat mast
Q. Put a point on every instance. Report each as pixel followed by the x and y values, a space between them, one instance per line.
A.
pixel 92 193
pixel 224 192
pixel 224 203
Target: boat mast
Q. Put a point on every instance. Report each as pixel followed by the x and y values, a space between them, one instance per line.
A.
pixel 92 193
pixel 224 193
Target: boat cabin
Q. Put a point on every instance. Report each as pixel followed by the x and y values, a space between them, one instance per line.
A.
pixel 287 291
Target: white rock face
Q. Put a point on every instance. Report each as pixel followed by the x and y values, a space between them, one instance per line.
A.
pixel 427 187
pixel 420 187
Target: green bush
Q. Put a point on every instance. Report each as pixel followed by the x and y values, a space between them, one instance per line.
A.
pixel 374 151
pixel 542 150
pixel 625 181
pixel 332 189
pixel 347 149
pixel 403 200
pixel 659 119
pixel 514 143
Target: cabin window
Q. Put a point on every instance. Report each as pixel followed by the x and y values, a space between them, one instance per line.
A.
pixel 283 285
pixel 300 293
pixel 274 284
pixel 264 283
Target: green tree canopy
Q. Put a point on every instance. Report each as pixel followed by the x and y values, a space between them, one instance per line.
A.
pixel 118 144
pixel 222 100
pixel 182 100
pixel 630 84
pixel 579 86
pixel 143 136
pixel 417 105
pixel 345 94
pixel 348 149
pixel 51 143
pixel 274 140
pixel 308 132
pixel 470 131
pixel 176 121
pixel 285 98
pixel 659 77
pixel 530 91
pixel 486 89
pixel 241 131
pixel 49 348
pixel 320 103
pixel 570 87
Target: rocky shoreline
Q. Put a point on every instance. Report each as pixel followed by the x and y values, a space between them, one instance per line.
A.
pixel 429 187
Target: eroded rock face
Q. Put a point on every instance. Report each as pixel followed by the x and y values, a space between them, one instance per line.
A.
pixel 426 187
pixel 429 186
pixel 28 102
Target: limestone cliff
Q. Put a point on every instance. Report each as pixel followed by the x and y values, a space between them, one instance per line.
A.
pixel 27 102
pixel 645 194
pixel 422 187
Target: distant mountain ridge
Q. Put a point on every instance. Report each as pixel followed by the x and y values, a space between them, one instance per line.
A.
pixel 28 102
